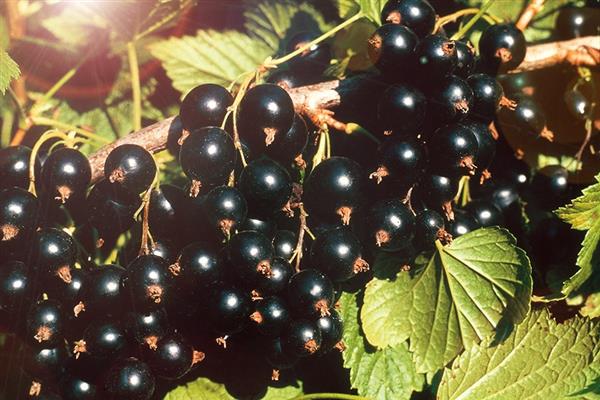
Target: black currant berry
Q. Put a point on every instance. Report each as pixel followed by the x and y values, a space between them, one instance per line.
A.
pixel 487 97
pixel 390 224
pixel 418 15
pixel 573 22
pixel 45 324
pixel 45 364
pixel 149 281
pixel 250 254
pixel 198 266
pixel 486 145
pixel 271 315
pixel 335 188
pixel 453 150
pixel 436 57
pixel 502 47
pixel 207 157
pixel 75 388
pixel 276 282
pixel 437 192
pixel 168 207
pixel 265 226
pixel 450 100
pixel 277 358
pixel 15 285
pixel 18 214
pixel 284 244
pixel 429 227
pixel 265 112
pixel 205 105
pixel 578 104
pixel 504 196
pixel 463 223
pixel 225 209
pixel 465 59
pixel 312 61
pixel 301 338
pixel 103 293
pixel 147 328
pixel 102 340
pixel 66 172
pixel 285 78
pixel 550 186
pixel 332 330
pixel 228 309
pixel 129 379
pixel 402 110
pixel 528 118
pixel 485 212
pixel 55 253
pixel 173 357
pixel 310 293
pixel 391 49
pixel 338 254
pixel 402 160
pixel 266 185
pixel 131 166
pixel 14 167
pixel 288 146
pixel 68 293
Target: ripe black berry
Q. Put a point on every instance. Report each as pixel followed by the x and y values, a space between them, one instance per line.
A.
pixel 550 186
pixel 578 104
pixel 15 285
pixel 436 57
pixel 486 145
pixel 103 292
pixel 66 172
pixel 205 105
pixel 465 59
pixel 173 357
pixel 338 254
pixel 285 78
pixel 284 244
pixel 249 254
pixel 276 282
pixel 452 150
pixel 228 309
pixel 131 166
pixel 301 338
pixel 14 167
pixel 391 49
pixel 207 157
pixel 502 47
pixel 485 212
pixel 18 214
pixel 225 209
pixel 198 266
pixel 277 358
pixel 102 340
pixel 314 60
pixel 463 223
pixel 265 112
pixel 450 100
pixel 129 379
pixel 68 293
pixel 55 253
pixel 429 227
pixel 332 330
pixel 265 226
pixel 271 315
pixel 148 280
pixel 390 224
pixel 528 118
pixel 437 192
pixel 402 160
pixel 147 328
pixel 168 207
pixel 266 185
pixel 289 146
pixel 75 388
pixel 310 293
pixel 402 110
pixel 45 364
pixel 487 94
pixel 573 22
pixel 334 188
pixel 418 15
pixel 45 323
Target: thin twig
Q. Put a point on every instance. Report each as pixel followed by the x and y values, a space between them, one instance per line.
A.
pixel 529 13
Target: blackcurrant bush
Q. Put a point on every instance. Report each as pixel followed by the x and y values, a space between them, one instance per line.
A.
pixel 463 223
pixel 55 253
pixel 301 338
pixel 390 224
pixel 250 254
pixel 485 212
pixel 103 293
pixel 284 244
pixel 573 22
pixel 271 315
pixel 75 388
pixel 402 110
pixel 131 166
pixel 288 146
pixel 16 285
pixel 147 328
pixel 487 95
pixel 66 172
pixel 228 309
pixel 550 187
pixel 168 207
pixel 332 329
pixel 402 160
pixel 266 186
pixel 225 209
pixel 265 112
pixel 338 254
pixel 18 214
pixel 129 379
pixel 207 157
pixel 173 357
pixel 205 105
pixel 465 59
pixel 102 340
pixel 486 145
pixel 450 100
pixel 335 188
pixel 418 15
pixel 453 150
pixel 502 47
pixel 198 266
pixel 148 281
pixel 437 192
pixel 276 282
pixel 436 56
pixel 45 323
pixel 312 61
pixel 429 227
pixel 391 49
pixel 310 293
pixel 14 167
pixel 528 118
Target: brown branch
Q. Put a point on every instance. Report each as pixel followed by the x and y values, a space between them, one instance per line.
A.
pixel 532 9
pixel 312 100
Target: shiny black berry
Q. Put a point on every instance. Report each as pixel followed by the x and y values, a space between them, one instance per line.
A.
pixel 550 187
pixel 228 309
pixel 67 292
pixel 573 22
pixel 277 280
pixel 286 78
pixel 401 160
pixel 310 293
pixel 15 285
pixel 332 329
pixel 103 339
pixel 450 100
pixel 502 47
pixel 418 15
pixel 265 112
pixel 129 379
pixel 198 266
pixel 207 157
pixel 276 357
pixel 266 186
pixel 390 224
pixel 429 227
pixel 437 192
pixel 485 212
pixel 391 49
pixel 284 244
pixel 271 315
pixel 436 57
pixel 578 104
pixel 148 281
pixel 528 118
pixel 66 172
pixel 487 94
pixel 453 150
pixel 402 110
pixel 45 324
pixel 338 254
pixel 103 293
pixel 55 253
pixel 486 144
pixel 265 226
pixel 250 254
pixel 301 338
pixel 18 214
pixel 465 59
pixel 225 209
pixel 130 166
pixel 173 357
pixel 147 328
pixel 205 105
pixel 14 167
pixel 76 388
pixel 46 363
pixel 334 189
pixel 168 207
pixel 289 146
pixel 463 223
pixel 312 61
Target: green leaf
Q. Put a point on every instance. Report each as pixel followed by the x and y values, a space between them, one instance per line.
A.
pixel 584 214
pixel 276 21
pixel 9 70
pixel 163 14
pixel 210 56
pixel 376 374
pixel 371 8
pixel 541 359
pixel 460 297
pixel 283 393
pixel 200 389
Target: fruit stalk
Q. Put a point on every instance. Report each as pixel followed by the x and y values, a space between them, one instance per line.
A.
pixel 529 13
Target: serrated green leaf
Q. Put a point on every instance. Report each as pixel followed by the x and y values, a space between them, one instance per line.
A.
pixel 200 389
pixel 283 393
pixel 584 214
pixel 461 296
pixel 541 359
pixel 370 8
pixel 376 374
pixel 347 8
pixel 275 21
pixel 9 70
pixel 210 56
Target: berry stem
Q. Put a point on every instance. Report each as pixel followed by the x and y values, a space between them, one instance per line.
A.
pixel 134 69
pixel 68 127
pixel 51 134
pixel 446 19
pixel 529 13
pixel 332 396
pixel 458 35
